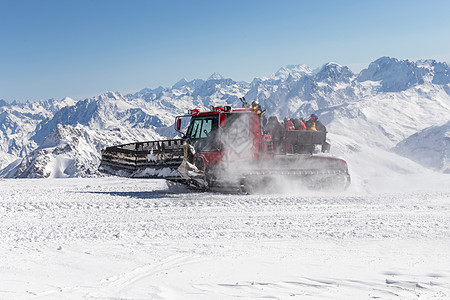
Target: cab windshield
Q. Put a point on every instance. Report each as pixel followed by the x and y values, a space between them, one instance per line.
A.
pixel 202 127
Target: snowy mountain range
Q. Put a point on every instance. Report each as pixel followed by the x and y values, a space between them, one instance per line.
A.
pixel 400 108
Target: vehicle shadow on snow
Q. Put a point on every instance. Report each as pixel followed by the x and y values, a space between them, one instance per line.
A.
pixel 171 190
pixel 138 195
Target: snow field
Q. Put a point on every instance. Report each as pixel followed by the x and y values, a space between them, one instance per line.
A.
pixel 115 238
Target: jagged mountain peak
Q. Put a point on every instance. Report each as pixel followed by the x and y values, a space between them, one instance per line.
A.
pixel 387 60
pixel 393 74
pixel 331 64
pixel 426 63
pixel 69 101
pixel 147 93
pixel 385 64
pixel 3 103
pixel 215 76
pixel 60 134
pixel 54 105
pixel 301 68
pixel 180 83
pixel 111 95
pixel 334 73
pixel 292 71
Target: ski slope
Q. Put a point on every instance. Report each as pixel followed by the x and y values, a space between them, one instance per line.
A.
pixel 115 238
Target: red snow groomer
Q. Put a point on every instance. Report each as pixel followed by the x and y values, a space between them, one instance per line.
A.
pixel 229 149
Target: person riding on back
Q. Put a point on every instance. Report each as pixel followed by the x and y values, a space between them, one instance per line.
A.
pixel 311 123
pixel 275 129
pixel 299 124
pixel 311 126
pixel 314 124
pixel 288 125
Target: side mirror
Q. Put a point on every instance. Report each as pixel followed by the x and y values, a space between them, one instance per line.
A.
pixel 178 124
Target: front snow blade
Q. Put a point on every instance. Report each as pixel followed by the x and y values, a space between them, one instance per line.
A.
pixel 153 159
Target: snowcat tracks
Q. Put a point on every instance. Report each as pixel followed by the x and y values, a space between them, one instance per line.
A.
pixel 267 180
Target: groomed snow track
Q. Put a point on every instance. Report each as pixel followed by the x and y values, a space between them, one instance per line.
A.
pixel 110 238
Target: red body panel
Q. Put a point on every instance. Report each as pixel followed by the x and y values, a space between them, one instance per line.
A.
pixel 211 158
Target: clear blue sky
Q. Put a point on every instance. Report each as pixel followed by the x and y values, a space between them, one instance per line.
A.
pixel 53 49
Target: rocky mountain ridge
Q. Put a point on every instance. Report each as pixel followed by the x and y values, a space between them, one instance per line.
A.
pixel 381 106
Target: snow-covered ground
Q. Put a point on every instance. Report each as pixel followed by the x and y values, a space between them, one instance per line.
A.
pixel 116 238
